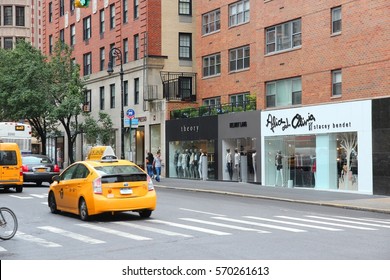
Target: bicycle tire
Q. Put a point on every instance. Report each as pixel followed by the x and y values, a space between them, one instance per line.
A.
pixel 8 223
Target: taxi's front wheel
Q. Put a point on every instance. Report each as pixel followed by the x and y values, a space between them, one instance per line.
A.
pixel 83 210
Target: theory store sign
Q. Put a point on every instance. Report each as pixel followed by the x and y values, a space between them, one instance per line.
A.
pixel 299 121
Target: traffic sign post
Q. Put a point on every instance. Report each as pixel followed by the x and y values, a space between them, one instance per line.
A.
pixel 130 113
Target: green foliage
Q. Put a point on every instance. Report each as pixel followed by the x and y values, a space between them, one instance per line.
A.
pixel 98 131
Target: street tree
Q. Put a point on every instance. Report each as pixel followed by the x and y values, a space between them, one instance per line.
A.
pixel 24 87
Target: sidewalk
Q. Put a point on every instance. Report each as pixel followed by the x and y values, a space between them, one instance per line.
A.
pixel 348 200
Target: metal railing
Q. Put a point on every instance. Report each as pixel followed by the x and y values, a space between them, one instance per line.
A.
pixel 213 110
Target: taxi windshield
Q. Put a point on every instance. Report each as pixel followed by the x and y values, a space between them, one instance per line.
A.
pixel 118 169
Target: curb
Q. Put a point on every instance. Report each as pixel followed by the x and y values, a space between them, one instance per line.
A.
pixel 319 203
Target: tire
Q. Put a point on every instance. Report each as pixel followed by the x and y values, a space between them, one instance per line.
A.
pixel 145 213
pixel 52 203
pixel 19 189
pixel 83 210
pixel 8 223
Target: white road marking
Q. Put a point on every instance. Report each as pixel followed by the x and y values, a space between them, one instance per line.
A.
pixel 190 227
pixel 324 223
pixel 223 225
pixel 73 235
pixel 39 195
pixel 115 232
pixel 34 239
pixel 293 224
pixel 346 221
pixel 151 229
pixel 201 212
pixel 260 224
pixel 21 197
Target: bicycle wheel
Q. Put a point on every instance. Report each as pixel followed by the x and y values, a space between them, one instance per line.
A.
pixel 8 223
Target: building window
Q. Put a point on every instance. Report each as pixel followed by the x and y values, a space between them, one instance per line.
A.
pixel 72 7
pixel 136 9
pixel 284 36
pixel 136 47
pixel 211 22
pixel 62 8
pixel 336 20
pixel 185 7
pixel 239 59
pixel 50 44
pixel 136 91
pixel 62 36
pixel 101 26
pixel 102 95
pixel 112 16
pixel 72 35
pixel 102 58
pixel 125 93
pixel 185 46
pixel 87 28
pixel 237 100
pixel 212 102
pixel 7 15
pixel 185 88
pixel 239 13
pixel 87 59
pixel 8 43
pixel 125 11
pixel 50 12
pixel 87 101
pixel 112 59
pixel 336 82
pixel 284 92
pixel 20 20
pixel 125 50
pixel 212 65
pixel 112 96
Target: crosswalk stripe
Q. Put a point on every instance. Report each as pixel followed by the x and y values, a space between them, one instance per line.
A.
pixel 260 224
pixel 294 224
pixel 372 220
pixel 190 227
pixel 39 195
pixel 350 222
pixel 73 235
pixel 34 239
pixel 21 197
pixel 162 231
pixel 223 225
pixel 324 223
pixel 115 232
pixel 201 212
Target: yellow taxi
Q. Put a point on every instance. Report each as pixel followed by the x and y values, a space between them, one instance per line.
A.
pixel 102 183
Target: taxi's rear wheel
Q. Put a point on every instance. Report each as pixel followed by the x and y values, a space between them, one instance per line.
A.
pixel 145 213
pixel 83 210
pixel 52 203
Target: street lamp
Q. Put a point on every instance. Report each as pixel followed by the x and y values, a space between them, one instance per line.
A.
pixel 116 53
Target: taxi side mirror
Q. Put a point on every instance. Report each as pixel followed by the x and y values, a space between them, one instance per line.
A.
pixel 56 178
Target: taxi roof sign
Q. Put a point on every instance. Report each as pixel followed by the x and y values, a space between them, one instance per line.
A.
pixel 103 153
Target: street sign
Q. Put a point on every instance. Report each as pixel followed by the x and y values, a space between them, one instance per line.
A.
pixel 130 113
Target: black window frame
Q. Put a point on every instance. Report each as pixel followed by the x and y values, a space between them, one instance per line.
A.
pixel 185 7
pixel 182 35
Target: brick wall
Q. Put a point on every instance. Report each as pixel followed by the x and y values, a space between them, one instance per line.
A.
pixel 361 51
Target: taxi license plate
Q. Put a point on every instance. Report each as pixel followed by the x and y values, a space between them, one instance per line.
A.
pixel 40 169
pixel 126 191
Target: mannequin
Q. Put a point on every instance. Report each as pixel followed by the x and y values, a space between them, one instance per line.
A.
pixel 237 163
pixel 229 163
pixel 279 167
pixel 254 166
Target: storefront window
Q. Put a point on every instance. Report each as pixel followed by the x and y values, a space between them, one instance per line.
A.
pixel 186 161
pixel 323 161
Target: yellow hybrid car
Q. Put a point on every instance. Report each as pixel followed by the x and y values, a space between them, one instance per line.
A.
pixel 102 183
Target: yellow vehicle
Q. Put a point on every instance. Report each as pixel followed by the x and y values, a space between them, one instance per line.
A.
pixel 102 183
pixel 11 174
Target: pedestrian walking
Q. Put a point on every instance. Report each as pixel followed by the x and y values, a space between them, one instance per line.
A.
pixel 157 165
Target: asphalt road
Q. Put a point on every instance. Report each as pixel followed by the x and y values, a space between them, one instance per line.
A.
pixel 197 226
